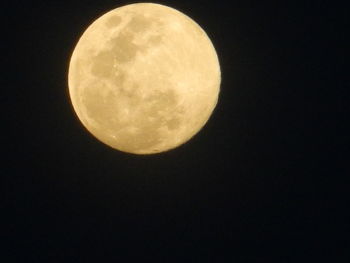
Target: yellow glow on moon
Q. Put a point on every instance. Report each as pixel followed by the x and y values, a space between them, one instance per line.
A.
pixel 144 78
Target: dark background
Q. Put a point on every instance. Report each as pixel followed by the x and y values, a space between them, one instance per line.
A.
pixel 264 180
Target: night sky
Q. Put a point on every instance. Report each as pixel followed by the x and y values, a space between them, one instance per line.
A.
pixel 264 180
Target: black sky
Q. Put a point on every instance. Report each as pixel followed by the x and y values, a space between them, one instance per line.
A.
pixel 264 180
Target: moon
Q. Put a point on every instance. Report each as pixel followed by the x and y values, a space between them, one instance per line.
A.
pixel 144 78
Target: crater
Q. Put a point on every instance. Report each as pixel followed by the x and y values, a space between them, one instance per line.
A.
pixel 161 100
pixel 102 64
pixel 139 141
pixel 130 93
pixel 154 112
pixel 123 49
pixel 98 106
pixel 139 23
pixel 118 78
pixel 155 39
pixel 113 21
pixel 173 123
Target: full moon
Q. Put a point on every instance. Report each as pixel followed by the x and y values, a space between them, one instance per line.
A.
pixel 144 78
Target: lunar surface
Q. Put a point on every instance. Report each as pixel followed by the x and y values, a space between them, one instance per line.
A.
pixel 144 78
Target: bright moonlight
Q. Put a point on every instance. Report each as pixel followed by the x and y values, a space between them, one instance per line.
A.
pixel 144 78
